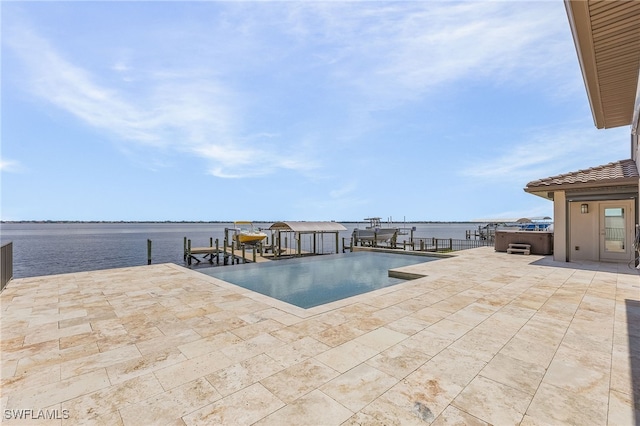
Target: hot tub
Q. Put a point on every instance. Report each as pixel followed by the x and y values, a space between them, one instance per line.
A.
pixel 541 241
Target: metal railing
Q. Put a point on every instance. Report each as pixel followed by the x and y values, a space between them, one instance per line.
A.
pixel 443 245
pixel 6 264
pixel 439 245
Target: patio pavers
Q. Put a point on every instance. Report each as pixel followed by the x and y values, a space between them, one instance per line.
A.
pixel 483 338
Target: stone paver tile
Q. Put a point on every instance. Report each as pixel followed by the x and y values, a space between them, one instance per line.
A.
pixel 493 402
pixel 552 405
pixel 413 401
pixel 255 329
pixel 335 336
pixel 127 370
pixel 209 344
pixel 244 407
pixel 359 386
pixel 346 356
pixel 252 347
pixel 100 360
pixel 168 406
pixel 454 304
pixel 167 341
pixel 449 329
pixel 299 379
pixel 381 338
pixel 484 345
pixel 430 315
pixel 584 379
pixel 428 342
pixel 471 315
pixel 37 319
pixel 537 353
pixel 101 407
pixel 297 351
pixel 622 372
pixel 241 375
pixel 312 408
pixel 516 373
pixel 384 413
pixel 622 410
pixel 450 365
pixel 452 416
pixel 36 377
pixel 399 360
pixel 56 333
pixel 408 325
pixel 36 350
pixel 191 369
pixel 54 393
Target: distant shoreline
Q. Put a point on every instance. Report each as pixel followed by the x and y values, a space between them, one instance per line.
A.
pixel 214 221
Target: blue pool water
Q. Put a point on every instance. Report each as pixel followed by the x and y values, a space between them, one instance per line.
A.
pixel 312 281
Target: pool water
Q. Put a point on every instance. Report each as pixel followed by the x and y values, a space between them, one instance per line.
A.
pixel 312 281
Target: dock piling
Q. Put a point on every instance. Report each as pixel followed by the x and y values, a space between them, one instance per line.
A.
pixel 148 252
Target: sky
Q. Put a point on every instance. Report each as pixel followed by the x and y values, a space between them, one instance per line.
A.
pixel 290 110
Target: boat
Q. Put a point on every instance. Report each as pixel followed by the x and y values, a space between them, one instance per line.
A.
pixel 245 233
pixel 375 231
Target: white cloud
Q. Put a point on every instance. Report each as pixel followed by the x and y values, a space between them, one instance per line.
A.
pixel 397 52
pixel 548 152
pixel 185 111
pixel 10 166
pixel 378 55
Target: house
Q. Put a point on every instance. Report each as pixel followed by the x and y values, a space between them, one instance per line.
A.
pixel 596 210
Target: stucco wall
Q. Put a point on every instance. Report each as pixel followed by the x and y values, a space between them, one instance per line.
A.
pixel 559 227
pixel 584 235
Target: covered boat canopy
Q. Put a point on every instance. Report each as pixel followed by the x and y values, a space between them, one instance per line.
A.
pixel 307 227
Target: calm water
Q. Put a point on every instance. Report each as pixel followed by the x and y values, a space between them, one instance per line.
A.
pixel 55 248
pixel 312 281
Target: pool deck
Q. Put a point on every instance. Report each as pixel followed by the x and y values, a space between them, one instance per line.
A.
pixel 483 338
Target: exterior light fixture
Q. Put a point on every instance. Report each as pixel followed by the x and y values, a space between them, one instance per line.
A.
pixel 584 208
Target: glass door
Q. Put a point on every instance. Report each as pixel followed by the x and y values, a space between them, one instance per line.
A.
pixel 614 231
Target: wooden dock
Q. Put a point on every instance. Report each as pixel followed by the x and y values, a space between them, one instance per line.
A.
pixel 230 255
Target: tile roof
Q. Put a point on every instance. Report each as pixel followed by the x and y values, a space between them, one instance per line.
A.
pixel 624 171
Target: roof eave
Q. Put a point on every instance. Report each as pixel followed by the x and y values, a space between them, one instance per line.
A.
pixel 537 190
pixel 580 23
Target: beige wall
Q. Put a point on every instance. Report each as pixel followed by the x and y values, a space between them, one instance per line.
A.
pixel 559 227
pixel 584 236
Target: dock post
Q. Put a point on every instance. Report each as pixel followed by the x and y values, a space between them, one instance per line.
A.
pixel 148 252
pixel 244 254
pixel 189 252
pixel 225 260
pixel 185 249
pixel 233 253
pixel 255 248
pixel 217 253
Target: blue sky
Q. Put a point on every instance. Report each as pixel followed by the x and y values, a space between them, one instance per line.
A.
pixel 416 110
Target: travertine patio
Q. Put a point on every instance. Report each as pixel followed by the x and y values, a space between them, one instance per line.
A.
pixel 484 338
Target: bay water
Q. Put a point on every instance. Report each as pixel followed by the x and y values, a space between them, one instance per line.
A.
pixel 59 247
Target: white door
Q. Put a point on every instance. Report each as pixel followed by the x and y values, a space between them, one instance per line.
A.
pixel 616 225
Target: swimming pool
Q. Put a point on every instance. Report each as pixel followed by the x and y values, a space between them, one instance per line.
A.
pixel 312 281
